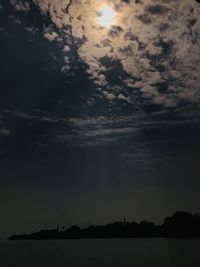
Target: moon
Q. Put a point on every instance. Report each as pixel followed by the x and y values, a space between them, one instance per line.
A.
pixel 107 16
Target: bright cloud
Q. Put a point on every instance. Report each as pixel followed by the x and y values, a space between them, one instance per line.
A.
pixel 156 43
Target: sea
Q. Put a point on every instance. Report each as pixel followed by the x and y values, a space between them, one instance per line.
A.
pixel 141 252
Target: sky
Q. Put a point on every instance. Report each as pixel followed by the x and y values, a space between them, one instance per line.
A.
pixel 98 121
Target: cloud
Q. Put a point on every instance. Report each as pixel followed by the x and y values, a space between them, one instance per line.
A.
pixel 154 43
pixel 51 36
pixel 20 5
pixel 5 132
pixel 66 48
pixel 157 9
pixel 18 114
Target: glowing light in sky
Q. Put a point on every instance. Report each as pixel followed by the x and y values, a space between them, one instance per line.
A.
pixel 107 15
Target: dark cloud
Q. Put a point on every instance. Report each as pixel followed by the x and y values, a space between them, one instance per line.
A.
pixel 156 9
pixel 144 18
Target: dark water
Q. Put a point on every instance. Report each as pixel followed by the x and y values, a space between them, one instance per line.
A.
pixel 101 253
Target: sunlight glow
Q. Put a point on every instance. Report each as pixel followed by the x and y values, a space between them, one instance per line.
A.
pixel 107 15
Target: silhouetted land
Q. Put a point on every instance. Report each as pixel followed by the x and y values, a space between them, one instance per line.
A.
pixel 180 224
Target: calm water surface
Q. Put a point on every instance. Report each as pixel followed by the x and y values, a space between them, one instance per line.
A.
pixel 101 253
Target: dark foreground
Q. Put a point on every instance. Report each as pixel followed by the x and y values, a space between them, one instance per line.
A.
pixel 180 224
pixel 142 252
